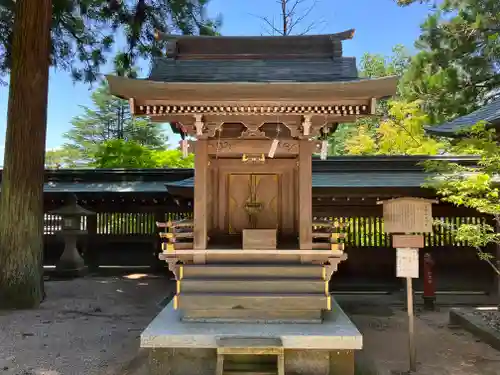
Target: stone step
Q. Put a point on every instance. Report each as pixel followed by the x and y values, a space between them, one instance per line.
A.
pixel 252 301
pixel 250 372
pixel 249 369
pixel 284 286
pixel 252 316
pixel 264 271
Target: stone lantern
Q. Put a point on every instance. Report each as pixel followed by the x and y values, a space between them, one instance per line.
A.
pixel 71 263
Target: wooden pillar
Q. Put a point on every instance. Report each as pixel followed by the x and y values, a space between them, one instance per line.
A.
pixel 200 194
pixel 305 195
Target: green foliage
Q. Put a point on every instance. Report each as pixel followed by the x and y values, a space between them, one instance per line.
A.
pixel 62 158
pixel 376 65
pixel 119 153
pixel 457 66
pixel 109 119
pixel 83 31
pixel 474 187
pixel 371 66
pixel 172 159
pixel 401 133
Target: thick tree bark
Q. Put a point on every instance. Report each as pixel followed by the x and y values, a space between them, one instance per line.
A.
pixel 21 199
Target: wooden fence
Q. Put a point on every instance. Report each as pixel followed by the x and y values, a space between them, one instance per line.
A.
pixel 131 239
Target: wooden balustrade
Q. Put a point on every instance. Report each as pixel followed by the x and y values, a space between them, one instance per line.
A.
pixel 329 235
pixel 178 235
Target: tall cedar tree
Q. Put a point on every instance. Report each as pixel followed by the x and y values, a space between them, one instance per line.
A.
pixel 109 118
pixel 458 64
pixel 73 35
pixel 21 200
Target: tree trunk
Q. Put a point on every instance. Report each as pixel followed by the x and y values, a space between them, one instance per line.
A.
pixel 21 199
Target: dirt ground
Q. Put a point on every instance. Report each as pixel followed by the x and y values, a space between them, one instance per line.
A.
pixel 91 326
pixel 87 326
pixel 441 349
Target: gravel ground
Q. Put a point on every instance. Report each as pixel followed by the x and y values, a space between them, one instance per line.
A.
pixel 441 350
pixel 491 317
pixel 86 326
pixel 91 326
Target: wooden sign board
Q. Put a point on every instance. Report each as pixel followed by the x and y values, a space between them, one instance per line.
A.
pixel 408 215
pixel 407 263
pixel 415 241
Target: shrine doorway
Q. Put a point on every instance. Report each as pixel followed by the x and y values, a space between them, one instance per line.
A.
pixel 254 202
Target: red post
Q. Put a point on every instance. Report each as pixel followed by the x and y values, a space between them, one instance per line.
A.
pixel 429 295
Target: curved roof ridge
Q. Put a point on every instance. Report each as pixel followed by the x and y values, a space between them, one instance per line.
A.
pixel 343 35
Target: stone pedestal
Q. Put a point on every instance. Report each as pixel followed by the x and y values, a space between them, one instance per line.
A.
pixel 183 348
pixel 71 263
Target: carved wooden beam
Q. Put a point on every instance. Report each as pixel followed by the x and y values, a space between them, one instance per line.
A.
pixel 340 110
pixel 237 147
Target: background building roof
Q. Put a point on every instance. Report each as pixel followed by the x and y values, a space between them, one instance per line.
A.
pixel 489 113
pixel 335 172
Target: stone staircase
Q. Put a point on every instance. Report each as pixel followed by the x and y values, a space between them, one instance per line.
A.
pixel 252 292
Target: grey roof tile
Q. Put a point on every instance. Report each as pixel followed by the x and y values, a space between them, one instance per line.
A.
pixel 294 70
pixel 111 187
pixel 349 180
pixel 489 113
pixel 368 179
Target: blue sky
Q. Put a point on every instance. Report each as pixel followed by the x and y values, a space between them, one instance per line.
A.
pixel 379 24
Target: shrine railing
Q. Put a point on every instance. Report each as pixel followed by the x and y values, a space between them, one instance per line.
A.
pixel 329 234
pixel 177 235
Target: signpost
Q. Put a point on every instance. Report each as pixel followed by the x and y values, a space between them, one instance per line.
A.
pixel 407 267
pixel 403 217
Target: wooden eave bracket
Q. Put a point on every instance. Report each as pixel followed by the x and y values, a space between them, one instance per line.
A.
pixel 306 125
pixel 373 106
pixel 199 124
pixel 131 103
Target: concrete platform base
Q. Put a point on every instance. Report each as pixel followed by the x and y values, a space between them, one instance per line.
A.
pixel 184 348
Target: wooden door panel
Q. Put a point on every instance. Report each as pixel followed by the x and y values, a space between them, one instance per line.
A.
pixel 239 190
pixel 266 189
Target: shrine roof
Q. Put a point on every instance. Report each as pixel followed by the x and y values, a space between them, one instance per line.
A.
pixel 262 46
pixel 187 38
pixel 490 113
pixel 196 68
pixel 252 70
pixel 144 89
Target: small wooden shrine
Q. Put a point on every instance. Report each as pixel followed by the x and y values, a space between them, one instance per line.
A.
pixel 257 108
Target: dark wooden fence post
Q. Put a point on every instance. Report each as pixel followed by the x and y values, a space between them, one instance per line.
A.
pixel 92 248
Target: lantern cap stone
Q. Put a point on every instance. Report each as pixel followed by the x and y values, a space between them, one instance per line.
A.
pixel 71 209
